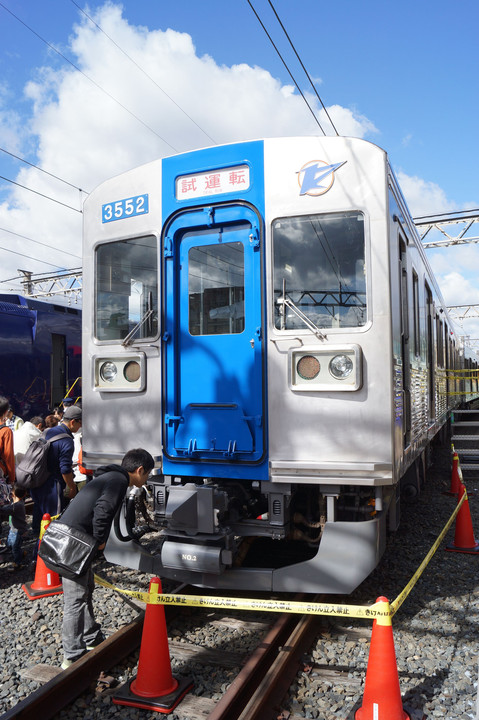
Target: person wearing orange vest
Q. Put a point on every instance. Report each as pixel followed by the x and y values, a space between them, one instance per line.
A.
pixel 7 456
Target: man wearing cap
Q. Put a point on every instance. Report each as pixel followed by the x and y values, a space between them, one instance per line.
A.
pixel 53 496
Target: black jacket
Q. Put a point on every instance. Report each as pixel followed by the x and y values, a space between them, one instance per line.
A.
pixel 17 512
pixel 94 507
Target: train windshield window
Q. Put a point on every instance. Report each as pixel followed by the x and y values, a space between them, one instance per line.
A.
pixel 319 265
pixel 216 289
pixel 127 289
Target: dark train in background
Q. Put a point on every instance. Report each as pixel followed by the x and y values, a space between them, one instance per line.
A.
pixel 40 354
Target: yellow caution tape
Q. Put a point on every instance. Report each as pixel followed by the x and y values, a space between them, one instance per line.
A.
pixel 382 611
pixel 396 604
pixel 143 597
pixel 386 619
pixel 378 610
pixel 464 392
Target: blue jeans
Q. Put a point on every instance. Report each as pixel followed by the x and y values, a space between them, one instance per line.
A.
pixel 14 542
pixel 79 625
pixel 47 499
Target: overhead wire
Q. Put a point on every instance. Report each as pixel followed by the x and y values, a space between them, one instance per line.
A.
pixel 52 47
pixel 37 242
pixel 143 71
pixel 39 193
pixel 437 215
pixel 286 66
pixel 17 157
pixel 38 276
pixel 44 262
pixel 302 65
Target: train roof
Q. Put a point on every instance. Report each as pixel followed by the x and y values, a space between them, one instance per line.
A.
pixel 33 304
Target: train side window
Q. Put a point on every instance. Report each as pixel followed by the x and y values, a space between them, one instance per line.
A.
pixel 440 342
pixel 404 291
pixel 415 288
pixel 319 263
pixel 127 289
pixel 430 348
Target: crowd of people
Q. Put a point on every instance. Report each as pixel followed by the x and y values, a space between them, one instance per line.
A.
pixel 16 436
pixel 90 509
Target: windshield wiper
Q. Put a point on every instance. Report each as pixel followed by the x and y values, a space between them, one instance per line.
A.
pixel 286 301
pixel 139 324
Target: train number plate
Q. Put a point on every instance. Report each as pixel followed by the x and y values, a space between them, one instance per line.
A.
pixel 121 209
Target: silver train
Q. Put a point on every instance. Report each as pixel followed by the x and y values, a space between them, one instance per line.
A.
pixel 262 318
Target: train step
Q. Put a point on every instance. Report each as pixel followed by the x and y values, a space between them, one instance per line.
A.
pixel 465 423
pixel 464 412
pixel 464 437
pixel 467 451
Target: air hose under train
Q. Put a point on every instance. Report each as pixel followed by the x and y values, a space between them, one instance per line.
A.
pixel 129 518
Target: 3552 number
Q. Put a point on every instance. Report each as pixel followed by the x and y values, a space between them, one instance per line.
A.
pixel 121 209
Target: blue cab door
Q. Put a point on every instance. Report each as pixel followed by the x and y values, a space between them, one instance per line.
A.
pixel 214 337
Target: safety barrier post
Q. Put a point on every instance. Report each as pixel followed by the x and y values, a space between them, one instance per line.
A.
pixel 464 540
pixel 456 476
pixel 154 687
pixel 46 582
pixel 382 696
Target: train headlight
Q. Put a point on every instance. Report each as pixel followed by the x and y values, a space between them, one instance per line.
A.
pixel 132 371
pixel 325 368
pixel 121 373
pixel 308 367
pixel 341 367
pixel 108 371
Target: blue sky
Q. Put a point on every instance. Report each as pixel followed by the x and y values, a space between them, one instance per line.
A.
pixel 402 76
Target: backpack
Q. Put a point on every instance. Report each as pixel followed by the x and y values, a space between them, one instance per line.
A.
pixel 32 470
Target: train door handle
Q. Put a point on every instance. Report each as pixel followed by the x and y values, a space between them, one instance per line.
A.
pixel 259 335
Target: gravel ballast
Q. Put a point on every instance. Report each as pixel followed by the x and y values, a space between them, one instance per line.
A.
pixel 435 630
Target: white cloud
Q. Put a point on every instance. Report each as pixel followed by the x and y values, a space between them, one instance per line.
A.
pixel 423 197
pixel 348 122
pixel 458 289
pixel 84 136
pixel 455 270
pixel 11 130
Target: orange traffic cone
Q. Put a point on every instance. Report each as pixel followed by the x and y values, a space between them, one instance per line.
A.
pixel 154 687
pixel 46 581
pixel 464 540
pixel 456 476
pixel 382 696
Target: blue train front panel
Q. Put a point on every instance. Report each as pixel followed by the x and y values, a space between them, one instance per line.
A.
pixel 214 330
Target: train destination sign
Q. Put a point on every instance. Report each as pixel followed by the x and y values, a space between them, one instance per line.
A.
pixel 213 182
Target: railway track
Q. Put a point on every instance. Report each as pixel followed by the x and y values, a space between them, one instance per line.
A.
pixel 262 682
pixel 66 685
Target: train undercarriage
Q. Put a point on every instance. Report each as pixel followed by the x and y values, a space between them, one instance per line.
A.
pixel 253 536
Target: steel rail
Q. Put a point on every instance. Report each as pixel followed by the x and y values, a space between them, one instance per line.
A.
pixel 267 675
pixel 67 685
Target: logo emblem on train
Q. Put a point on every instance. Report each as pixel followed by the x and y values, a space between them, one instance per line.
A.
pixel 316 177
